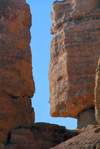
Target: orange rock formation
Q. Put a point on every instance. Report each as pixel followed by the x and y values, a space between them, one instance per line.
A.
pixel 16 81
pixel 15 54
pixel 75 50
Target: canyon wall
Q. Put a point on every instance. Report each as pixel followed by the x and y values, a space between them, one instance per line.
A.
pixel 16 80
pixel 75 50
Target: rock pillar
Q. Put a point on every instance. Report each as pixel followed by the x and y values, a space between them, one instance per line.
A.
pixel 75 50
pixel 16 80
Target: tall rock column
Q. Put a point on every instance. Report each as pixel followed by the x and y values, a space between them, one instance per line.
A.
pixel 16 80
pixel 75 50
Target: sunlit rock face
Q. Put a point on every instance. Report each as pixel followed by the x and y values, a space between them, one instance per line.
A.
pixel 97 93
pixel 15 54
pixel 75 50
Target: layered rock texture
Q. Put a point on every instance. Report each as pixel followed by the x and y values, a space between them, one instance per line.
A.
pixel 16 81
pixel 75 50
pixel 15 54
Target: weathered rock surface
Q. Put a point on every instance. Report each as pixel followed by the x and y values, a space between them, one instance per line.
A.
pixel 13 113
pixel 97 93
pixel 75 50
pixel 86 140
pixel 15 54
pixel 39 136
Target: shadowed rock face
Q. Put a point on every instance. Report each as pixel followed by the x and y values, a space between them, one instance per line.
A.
pixel 15 54
pixel 75 50
pixel 86 117
pixel 39 136
pixel 86 140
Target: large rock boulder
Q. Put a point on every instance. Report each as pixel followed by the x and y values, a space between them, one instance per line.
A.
pixel 75 50
pixel 39 136
pixel 15 54
pixel 13 113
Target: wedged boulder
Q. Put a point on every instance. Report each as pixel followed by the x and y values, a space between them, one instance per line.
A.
pixel 15 55
pixel 75 50
pixel 86 117
pixel 39 136
pixel 13 113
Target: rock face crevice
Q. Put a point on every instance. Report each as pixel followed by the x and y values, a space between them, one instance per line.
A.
pixel 75 50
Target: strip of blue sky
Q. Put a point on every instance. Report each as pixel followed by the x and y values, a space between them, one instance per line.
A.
pixel 40 46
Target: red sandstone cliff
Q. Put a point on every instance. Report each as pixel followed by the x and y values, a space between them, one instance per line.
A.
pixel 75 50
pixel 16 81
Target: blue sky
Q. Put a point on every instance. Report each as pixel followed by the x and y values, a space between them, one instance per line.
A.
pixel 40 47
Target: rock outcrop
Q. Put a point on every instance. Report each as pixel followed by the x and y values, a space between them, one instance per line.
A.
pixel 75 50
pixel 97 93
pixel 39 136
pixel 16 80
pixel 87 140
